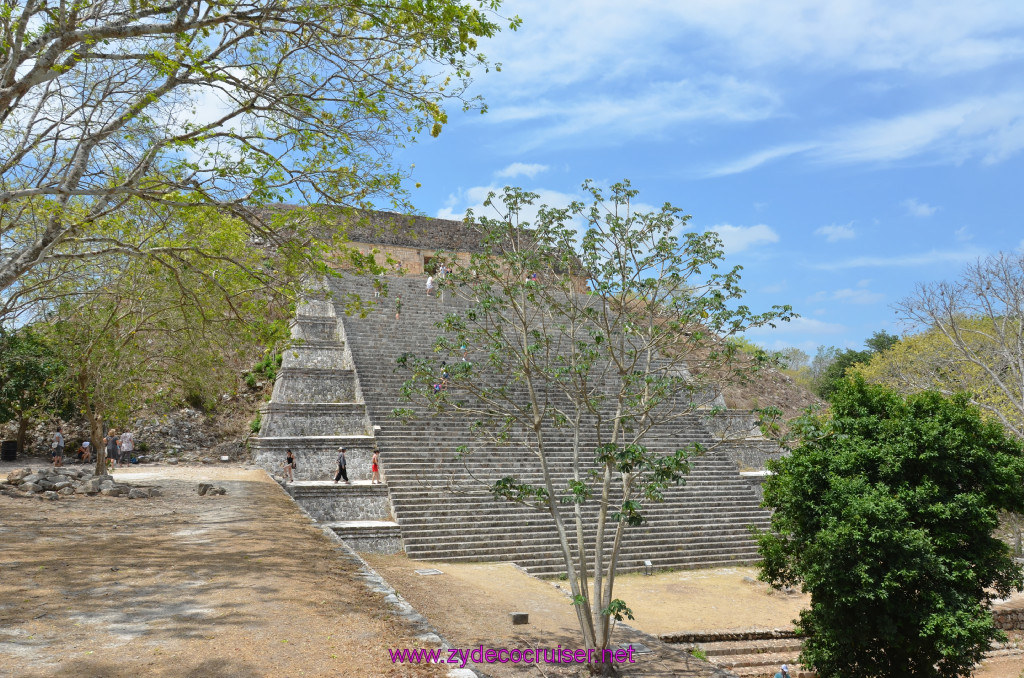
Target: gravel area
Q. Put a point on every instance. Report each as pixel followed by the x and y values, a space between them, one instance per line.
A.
pixel 241 584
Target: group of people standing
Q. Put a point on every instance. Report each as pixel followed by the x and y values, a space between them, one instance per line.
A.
pixel 119 448
pixel 290 465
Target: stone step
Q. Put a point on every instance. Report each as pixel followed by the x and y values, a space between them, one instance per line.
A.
pixel 369 536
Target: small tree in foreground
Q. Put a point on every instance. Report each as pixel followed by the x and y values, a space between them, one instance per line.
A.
pixel 885 514
pixel 608 337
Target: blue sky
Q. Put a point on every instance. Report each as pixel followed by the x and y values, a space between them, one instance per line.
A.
pixel 844 150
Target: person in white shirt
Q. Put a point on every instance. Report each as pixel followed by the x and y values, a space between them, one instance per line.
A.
pixel 127 446
pixel 430 285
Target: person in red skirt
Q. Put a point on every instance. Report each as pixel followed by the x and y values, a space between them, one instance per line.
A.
pixel 375 469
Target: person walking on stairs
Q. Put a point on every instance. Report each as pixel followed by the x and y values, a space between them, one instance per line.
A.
pixel 398 307
pixel 289 466
pixel 342 470
pixel 375 469
pixel 783 673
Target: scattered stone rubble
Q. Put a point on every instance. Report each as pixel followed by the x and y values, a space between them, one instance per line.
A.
pixel 185 435
pixel 208 490
pixel 53 483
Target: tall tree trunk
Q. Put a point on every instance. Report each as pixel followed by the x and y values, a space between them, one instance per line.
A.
pixel 23 421
pixel 95 423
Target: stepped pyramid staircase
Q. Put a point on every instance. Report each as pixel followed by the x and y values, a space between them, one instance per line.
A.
pixel 441 504
pixel 317 407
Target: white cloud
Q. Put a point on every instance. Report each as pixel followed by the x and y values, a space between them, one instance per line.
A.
pixel 739 238
pixel 775 288
pixel 963 234
pixel 801 325
pixel 759 158
pixel 660 105
pixel 519 169
pixel 920 259
pixel 473 198
pixel 858 296
pixel 564 43
pixel 990 129
pixel 834 232
pixel 918 209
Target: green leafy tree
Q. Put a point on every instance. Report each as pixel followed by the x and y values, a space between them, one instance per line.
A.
pixel 831 365
pixel 236 104
pixel 31 375
pixel 970 337
pixel 885 514
pixel 606 333
pixel 175 327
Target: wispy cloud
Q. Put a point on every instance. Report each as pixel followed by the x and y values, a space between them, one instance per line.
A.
pixel 918 209
pixel 739 238
pixel 857 296
pixel 557 49
pixel 963 234
pixel 990 129
pixel 835 232
pixel 473 198
pixel 658 106
pixel 801 325
pixel 761 157
pixel 520 169
pixel 920 259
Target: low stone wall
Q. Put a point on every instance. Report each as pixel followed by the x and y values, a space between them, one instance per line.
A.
pixel 330 503
pixel 322 356
pixel 310 385
pixel 1005 619
pixel 316 460
pixel 315 329
pixel 1009 619
pixel 692 637
pixel 313 419
pixel 755 479
pixel 371 539
pixel 733 424
pixel 751 454
pixel 315 308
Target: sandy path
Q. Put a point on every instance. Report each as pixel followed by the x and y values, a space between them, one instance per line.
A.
pixel 182 585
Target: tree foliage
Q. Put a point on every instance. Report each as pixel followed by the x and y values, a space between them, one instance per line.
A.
pixel 970 338
pixel 831 365
pixel 236 104
pixel 31 379
pixel 175 327
pixel 885 514
pixel 606 334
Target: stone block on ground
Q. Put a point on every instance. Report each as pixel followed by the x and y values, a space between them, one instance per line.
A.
pixel 66 491
pixel 204 488
pixel 519 618
pixel 138 493
pixel 30 487
pixel 91 486
pixel 50 495
pixel 17 476
pixel 110 492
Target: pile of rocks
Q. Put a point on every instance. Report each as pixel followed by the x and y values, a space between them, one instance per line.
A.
pixel 53 483
pixel 210 490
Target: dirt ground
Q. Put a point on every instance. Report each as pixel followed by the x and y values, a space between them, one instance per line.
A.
pixel 469 604
pixel 182 585
pixel 719 599
pixel 245 585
